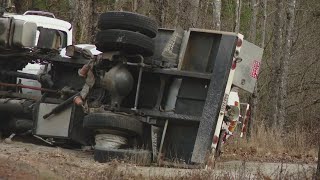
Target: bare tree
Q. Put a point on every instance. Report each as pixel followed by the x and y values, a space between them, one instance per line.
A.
pixel 159 11
pixel 265 3
pixel 253 24
pixel 135 5
pixel 194 10
pixel 188 13
pixel 118 4
pixel 202 12
pixel 83 20
pixel 206 6
pixel 163 12
pixel 177 13
pixel 21 5
pixel 285 62
pixel 276 58
pixel 253 29
pixel 238 16
pixel 217 14
pixel 318 168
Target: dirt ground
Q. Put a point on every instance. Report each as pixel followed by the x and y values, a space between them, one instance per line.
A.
pixel 21 160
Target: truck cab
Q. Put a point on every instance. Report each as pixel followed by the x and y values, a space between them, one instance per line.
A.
pixel 46 20
pixel 42 20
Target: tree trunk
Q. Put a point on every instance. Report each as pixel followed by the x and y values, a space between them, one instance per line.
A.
pixel 253 102
pixel 158 11
pixel 73 19
pixel 276 58
pixel 217 14
pixel 6 3
pixel 253 24
pixel 135 5
pixel 318 168
pixel 177 13
pixel 163 13
pixel 83 21
pixel 194 5
pixel 189 13
pixel 117 5
pixel 206 6
pixel 285 62
pixel 238 16
pixel 21 5
pixel 202 12
pixel 264 23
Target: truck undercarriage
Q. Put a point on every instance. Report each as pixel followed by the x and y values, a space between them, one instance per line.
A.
pixel 150 94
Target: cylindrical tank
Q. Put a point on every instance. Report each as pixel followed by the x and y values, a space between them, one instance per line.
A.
pixel 119 82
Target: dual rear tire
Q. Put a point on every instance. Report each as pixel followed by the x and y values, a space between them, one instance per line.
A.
pixel 127 32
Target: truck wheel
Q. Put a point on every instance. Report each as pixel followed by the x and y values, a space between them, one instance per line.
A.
pixel 113 122
pixel 137 156
pixel 128 21
pixel 125 41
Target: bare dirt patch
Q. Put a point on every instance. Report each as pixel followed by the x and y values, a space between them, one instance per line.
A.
pixel 13 170
pixel 21 160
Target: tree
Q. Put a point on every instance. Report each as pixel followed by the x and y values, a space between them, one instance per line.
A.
pixel 238 16
pixel 253 24
pixel 276 58
pixel 264 23
pixel 22 5
pixel 159 11
pixel 186 13
pixel 193 12
pixel 83 20
pixel 318 168
pixel 177 13
pixel 217 14
pixel 285 62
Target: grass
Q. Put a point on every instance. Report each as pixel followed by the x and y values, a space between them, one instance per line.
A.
pixel 117 170
pixel 271 144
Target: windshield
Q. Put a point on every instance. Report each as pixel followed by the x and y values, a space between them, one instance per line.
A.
pixel 60 43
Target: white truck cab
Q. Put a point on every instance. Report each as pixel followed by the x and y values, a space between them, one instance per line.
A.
pixel 47 22
pixel 42 20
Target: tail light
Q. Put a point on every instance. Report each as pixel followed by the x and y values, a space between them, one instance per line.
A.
pixel 239 42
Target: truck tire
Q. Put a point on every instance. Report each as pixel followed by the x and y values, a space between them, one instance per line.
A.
pixel 136 156
pixel 125 41
pixel 128 21
pixel 112 121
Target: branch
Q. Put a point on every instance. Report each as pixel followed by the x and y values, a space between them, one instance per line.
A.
pixel 317 101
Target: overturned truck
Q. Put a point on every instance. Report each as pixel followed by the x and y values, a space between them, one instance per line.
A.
pixel 140 93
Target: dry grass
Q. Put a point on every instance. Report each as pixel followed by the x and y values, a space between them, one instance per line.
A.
pixel 268 143
pixel 116 171
pixel 57 163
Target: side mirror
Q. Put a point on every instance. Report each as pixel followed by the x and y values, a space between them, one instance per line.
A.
pixel 71 51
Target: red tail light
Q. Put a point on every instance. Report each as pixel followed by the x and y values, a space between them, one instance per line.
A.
pixel 234 65
pixel 239 42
